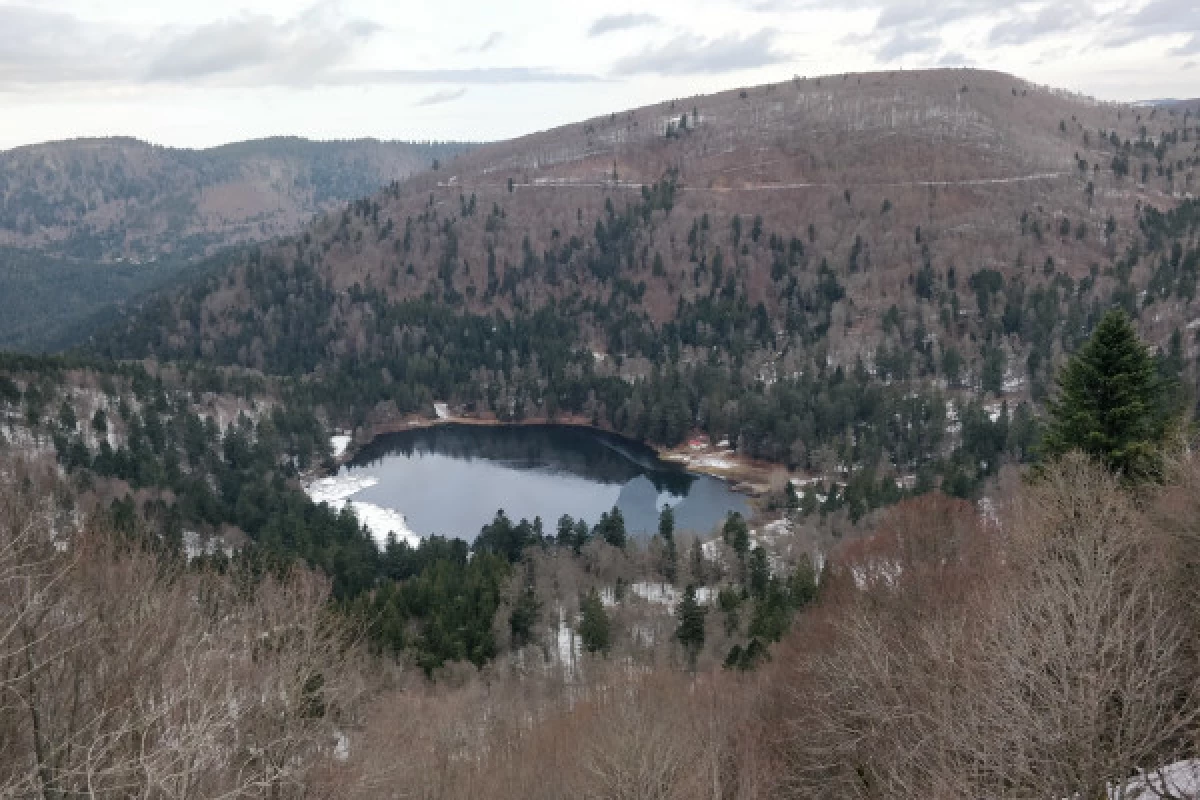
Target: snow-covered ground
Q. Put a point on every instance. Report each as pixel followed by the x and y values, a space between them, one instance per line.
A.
pixel 1180 780
pixel 195 545
pixel 338 488
pixel 569 646
pixel 21 439
pixel 339 444
pixel 337 491
pixel 713 462
pixel 382 521
pixel 667 595
pixel 724 460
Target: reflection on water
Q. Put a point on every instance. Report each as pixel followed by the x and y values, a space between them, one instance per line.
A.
pixel 452 479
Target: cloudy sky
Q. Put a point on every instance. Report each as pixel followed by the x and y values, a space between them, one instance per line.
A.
pixel 198 74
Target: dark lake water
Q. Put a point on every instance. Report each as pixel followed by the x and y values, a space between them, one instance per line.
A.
pixel 451 480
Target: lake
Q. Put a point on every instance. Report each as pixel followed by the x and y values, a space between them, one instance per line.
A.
pixel 451 480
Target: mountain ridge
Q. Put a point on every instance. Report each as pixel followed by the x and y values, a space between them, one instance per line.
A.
pixel 86 223
pixel 111 198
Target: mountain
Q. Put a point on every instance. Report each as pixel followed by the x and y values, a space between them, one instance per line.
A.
pixel 788 265
pixel 89 222
pixel 124 199
pixel 1192 105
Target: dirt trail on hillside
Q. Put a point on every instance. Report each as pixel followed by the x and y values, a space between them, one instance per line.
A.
pixel 765 187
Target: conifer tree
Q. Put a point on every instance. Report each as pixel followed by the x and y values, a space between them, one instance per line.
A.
pixel 737 535
pixel 699 567
pixel 1110 402
pixel 524 617
pixel 759 572
pixel 690 632
pixel 594 627
pixel 666 529
pixel 611 528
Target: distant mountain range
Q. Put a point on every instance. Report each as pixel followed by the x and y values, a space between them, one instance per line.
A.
pixel 124 199
pixel 1172 102
pixel 90 221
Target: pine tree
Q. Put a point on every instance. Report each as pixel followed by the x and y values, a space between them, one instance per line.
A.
pixel 1110 403
pixel 802 585
pixel 611 528
pixel 594 627
pixel 690 632
pixel 699 567
pixel 759 572
pixel 524 617
pixel 666 529
pixel 737 534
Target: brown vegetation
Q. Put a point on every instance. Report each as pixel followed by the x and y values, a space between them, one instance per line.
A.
pixel 1045 653
pixel 115 199
pixel 125 676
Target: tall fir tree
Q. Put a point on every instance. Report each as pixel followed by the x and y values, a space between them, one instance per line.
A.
pixel 759 572
pixel 611 528
pixel 666 529
pixel 690 632
pixel 737 535
pixel 594 628
pixel 1111 403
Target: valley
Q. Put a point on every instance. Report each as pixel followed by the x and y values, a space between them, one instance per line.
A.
pixel 730 443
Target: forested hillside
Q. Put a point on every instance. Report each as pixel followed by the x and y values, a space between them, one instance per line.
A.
pixel 873 271
pixel 90 222
pixel 123 199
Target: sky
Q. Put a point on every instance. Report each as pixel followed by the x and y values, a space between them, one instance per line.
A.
pixel 202 74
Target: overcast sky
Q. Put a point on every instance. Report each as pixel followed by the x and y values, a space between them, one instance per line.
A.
pixel 204 73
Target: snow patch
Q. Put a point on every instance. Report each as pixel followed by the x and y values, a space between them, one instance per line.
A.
pixel 337 491
pixel 1181 780
pixel 382 521
pixel 713 462
pixel 340 444
pixel 195 545
pixel 1012 383
pixel 568 645
pixel 338 488
pixel 666 595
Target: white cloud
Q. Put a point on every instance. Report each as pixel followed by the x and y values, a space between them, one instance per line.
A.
pixel 442 96
pixel 202 73
pixel 260 48
pixel 621 22
pixel 690 54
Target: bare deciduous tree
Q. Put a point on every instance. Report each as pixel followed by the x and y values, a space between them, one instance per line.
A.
pixel 126 674
pixel 1057 671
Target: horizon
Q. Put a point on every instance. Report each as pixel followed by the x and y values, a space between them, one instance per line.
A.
pixel 483 142
pixel 327 70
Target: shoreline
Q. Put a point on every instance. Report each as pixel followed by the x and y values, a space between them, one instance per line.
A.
pixel 744 476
